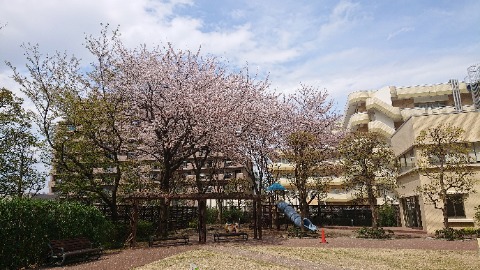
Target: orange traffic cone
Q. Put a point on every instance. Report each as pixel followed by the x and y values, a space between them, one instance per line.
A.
pixel 323 241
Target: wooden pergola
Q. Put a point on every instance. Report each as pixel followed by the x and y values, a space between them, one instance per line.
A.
pixel 201 198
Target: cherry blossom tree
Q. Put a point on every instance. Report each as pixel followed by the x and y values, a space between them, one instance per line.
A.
pixel 183 104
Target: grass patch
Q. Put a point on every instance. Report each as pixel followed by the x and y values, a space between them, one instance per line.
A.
pixel 206 259
pixel 356 258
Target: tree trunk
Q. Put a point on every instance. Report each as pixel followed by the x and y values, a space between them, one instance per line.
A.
pixel 303 209
pixel 162 229
pixel 444 210
pixel 259 220
pixel 202 221
pixel 372 201
pixel 255 220
pixel 133 225
pixel 220 210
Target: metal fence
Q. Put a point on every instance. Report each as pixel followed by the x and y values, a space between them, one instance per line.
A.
pixel 179 216
pixel 331 215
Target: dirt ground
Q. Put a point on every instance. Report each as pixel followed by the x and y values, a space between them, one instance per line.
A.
pixel 336 238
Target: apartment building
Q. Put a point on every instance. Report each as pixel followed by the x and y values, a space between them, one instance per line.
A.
pixel 140 171
pixel 416 211
pixel 383 111
pixel 337 194
pixel 398 114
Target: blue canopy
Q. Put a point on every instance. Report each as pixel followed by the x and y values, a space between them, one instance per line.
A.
pixel 275 187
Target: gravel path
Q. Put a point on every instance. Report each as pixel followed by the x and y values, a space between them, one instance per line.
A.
pixel 131 258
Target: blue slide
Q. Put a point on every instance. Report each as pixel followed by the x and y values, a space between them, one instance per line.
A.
pixel 295 217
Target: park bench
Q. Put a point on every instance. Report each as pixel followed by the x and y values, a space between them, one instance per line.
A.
pixel 225 236
pixel 78 248
pixel 167 241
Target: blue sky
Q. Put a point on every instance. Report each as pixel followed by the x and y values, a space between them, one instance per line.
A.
pixel 342 46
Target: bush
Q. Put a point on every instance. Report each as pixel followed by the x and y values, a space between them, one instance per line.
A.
pixel 212 214
pixel 451 234
pixel 27 225
pixel 233 215
pixel 448 233
pixel 477 215
pixel 145 229
pixel 387 216
pixel 119 234
pixel 378 233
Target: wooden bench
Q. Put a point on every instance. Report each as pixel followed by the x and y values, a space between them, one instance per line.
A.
pixel 225 236
pixel 79 248
pixel 168 241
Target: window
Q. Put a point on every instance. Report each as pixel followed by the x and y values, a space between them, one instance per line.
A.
pixel 131 155
pixel 407 160
pixel 411 212
pixel 435 104
pixel 455 205
pixel 475 152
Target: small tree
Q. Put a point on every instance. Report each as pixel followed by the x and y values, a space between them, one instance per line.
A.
pixel 308 161
pixel 79 116
pixel 308 140
pixel 444 161
pixel 18 149
pixel 369 168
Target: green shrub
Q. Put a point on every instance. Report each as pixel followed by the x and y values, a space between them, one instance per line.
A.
pixel 477 215
pixel 378 233
pixel 27 225
pixel 387 216
pixel 233 215
pixel 193 224
pixel 456 234
pixel 447 233
pixel 144 230
pixel 212 214
pixel 119 234
pixel 469 232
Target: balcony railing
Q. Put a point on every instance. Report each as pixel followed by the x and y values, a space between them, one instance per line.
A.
pixel 385 108
pixel 381 128
pixel 357 119
pixel 357 96
pixel 406 113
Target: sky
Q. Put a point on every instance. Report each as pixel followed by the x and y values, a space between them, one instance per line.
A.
pixel 340 46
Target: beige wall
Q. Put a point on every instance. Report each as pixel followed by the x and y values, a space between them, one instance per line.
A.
pixel 432 219
pixel 403 139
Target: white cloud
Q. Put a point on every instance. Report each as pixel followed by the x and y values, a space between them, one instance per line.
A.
pixel 345 13
pixel 399 31
pixel 342 46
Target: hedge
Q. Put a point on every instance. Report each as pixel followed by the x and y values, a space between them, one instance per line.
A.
pixel 26 226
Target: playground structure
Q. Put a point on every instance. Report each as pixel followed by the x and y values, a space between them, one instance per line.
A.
pixel 295 217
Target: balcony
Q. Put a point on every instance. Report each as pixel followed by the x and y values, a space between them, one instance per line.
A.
pixel 381 128
pixel 357 97
pixel 339 198
pixel 387 109
pixel 425 90
pixel 357 119
pixel 406 113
